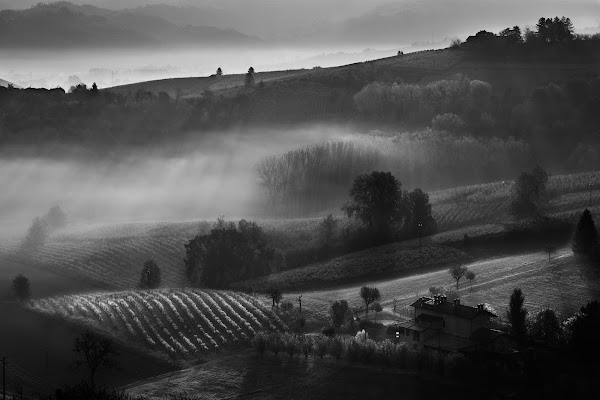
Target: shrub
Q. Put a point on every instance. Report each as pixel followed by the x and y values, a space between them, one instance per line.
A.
pixel 307 345
pixel 287 306
pixel 275 344
pixel 328 331
pixel 448 122
pixel 336 347
pixel 260 342
pixel 386 353
pixel 321 345
pixel 290 343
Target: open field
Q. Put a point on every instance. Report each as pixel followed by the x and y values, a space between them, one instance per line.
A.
pixel 249 377
pixel 178 323
pixel 564 284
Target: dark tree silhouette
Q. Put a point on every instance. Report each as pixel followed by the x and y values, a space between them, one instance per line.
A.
pixel 457 272
pixel 529 193
pixel 585 240
pixel 219 71
pixel 150 276
pixel 37 233
pixel 585 330
pixel 249 79
pixel 546 327
pixel 470 275
pixel 376 307
pixel 369 295
pixel 420 211
pixel 338 313
pixel 56 218
pixel 275 294
pixel 228 253
pixel 327 230
pixel 517 314
pixel 96 353
pixel 377 201
pixel 21 288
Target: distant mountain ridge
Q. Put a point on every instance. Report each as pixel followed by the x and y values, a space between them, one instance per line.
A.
pixel 67 25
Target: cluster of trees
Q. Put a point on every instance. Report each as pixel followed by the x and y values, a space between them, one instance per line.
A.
pixel 317 177
pixel 41 227
pixel 467 102
pixel 227 254
pixel 529 193
pixel 385 211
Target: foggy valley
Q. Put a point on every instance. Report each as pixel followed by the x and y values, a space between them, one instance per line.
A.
pixel 299 200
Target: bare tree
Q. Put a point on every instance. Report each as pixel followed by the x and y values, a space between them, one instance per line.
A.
pixel 457 272
pixel 96 353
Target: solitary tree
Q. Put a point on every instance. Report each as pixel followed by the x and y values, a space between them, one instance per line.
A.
pixel 529 193
pixel 338 312
pixel 420 212
pixel 37 233
pixel 249 80
pixel 377 201
pixel 219 71
pixel 585 240
pixel 275 294
pixel 457 272
pixel 546 327
pixel 327 230
pixel 150 275
pixel 549 249
pixel 95 353
pixel 376 307
pixel 517 314
pixel 55 218
pixel 369 295
pixel 21 288
pixel 470 275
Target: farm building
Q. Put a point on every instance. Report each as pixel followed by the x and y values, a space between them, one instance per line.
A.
pixel 452 327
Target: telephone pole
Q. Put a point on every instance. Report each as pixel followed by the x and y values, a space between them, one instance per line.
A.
pixel 3 378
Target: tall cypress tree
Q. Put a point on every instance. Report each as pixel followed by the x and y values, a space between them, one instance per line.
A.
pixel 517 314
pixel 585 240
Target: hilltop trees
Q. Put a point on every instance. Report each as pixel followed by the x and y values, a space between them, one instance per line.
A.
pixel 378 203
pixel 585 240
pixel 249 78
pixel 55 218
pixel 517 314
pixel 150 275
pixel 529 195
pixel 21 288
pixel 227 254
pixel 555 31
pixel 369 295
pixel 219 71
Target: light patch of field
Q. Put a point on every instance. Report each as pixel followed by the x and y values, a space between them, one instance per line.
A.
pixel 178 323
pixel 563 284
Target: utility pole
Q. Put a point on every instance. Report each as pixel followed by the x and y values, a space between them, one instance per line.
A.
pixel 3 378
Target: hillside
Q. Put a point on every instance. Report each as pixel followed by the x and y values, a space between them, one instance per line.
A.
pixel 314 88
pixel 63 25
pixel 112 254
pixel 4 83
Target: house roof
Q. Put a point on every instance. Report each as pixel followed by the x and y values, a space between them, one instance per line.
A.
pixel 450 308
pixel 428 319
pixel 414 325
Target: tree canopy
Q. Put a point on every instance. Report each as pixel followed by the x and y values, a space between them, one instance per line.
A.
pixel 21 288
pixel 227 254
pixel 517 314
pixel 377 201
pixel 150 277
pixel 369 294
pixel 585 239
pixel 529 195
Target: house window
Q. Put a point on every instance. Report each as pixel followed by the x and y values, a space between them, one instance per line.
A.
pixel 416 336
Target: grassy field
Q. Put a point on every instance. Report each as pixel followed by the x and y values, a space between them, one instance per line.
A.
pixel 563 284
pixel 182 324
pixel 249 377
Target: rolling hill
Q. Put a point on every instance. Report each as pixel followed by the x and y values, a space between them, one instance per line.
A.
pixel 63 25
pixel 4 83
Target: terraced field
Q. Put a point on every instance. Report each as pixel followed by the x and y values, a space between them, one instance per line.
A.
pixel 180 323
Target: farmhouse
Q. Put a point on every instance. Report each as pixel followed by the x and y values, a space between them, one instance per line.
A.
pixel 452 327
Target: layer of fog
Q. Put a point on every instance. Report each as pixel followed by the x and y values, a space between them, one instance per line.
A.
pixel 49 69
pixel 215 175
